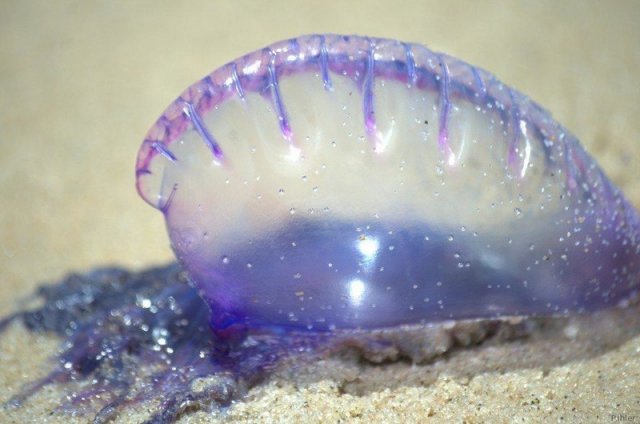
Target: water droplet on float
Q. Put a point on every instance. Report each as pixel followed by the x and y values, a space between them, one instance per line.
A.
pixel 225 259
pixel 517 211
pixel 160 335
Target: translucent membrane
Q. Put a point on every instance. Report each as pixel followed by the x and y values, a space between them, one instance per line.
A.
pixel 347 182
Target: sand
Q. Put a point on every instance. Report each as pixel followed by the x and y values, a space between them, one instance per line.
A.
pixel 80 83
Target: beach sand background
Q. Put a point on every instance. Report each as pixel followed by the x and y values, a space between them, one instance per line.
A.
pixel 81 82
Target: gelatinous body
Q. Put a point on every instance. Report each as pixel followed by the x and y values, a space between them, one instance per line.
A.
pixel 332 182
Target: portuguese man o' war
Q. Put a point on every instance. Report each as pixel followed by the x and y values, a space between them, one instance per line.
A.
pixel 332 182
pixel 333 194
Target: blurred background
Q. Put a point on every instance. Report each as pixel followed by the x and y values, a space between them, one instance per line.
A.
pixel 82 81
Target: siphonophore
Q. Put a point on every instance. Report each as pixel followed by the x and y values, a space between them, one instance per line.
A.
pixel 333 182
pixel 339 192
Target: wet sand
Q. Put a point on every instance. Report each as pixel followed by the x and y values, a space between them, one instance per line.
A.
pixel 81 83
